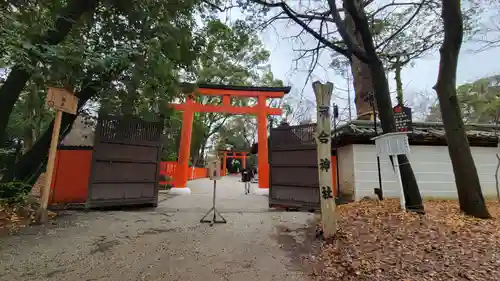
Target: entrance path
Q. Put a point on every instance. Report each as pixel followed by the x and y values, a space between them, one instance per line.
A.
pixel 166 243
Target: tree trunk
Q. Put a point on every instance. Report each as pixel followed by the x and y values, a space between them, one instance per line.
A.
pixel 18 152
pixel 383 101
pixel 362 82
pixel 362 79
pixel 203 147
pixel 30 115
pixel 15 82
pixel 470 195
pixel 28 134
pixel 28 138
pixel 399 81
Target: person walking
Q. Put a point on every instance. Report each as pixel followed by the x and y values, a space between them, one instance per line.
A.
pixel 246 178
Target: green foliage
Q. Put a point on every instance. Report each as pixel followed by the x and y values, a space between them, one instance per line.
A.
pixel 8 154
pixel 238 134
pixel 252 160
pixel 164 39
pixel 168 44
pixel 160 37
pixel 19 24
pixel 13 192
pixel 232 55
pixel 479 102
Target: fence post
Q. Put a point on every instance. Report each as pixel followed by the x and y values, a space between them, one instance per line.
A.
pixel 323 93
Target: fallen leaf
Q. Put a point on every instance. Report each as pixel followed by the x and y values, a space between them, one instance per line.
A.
pixel 376 241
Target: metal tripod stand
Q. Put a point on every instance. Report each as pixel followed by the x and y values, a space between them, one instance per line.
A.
pixel 215 212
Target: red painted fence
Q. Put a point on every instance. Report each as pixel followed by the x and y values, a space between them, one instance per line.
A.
pixel 168 169
pixel 72 170
pixel 70 179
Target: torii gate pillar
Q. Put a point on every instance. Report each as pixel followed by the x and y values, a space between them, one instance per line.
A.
pixel 234 155
pixel 262 154
pixel 261 111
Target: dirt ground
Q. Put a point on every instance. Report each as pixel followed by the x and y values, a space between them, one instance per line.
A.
pixel 168 242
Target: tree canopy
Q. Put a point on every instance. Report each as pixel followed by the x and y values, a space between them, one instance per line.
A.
pixel 119 57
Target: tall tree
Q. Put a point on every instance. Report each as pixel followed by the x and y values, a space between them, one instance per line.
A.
pixel 30 165
pixel 402 32
pixel 367 53
pixel 470 195
pixel 231 54
pixel 19 74
pixel 126 51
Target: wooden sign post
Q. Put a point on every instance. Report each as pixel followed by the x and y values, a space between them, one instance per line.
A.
pixel 214 171
pixel 62 101
pixel 323 93
pixel 213 174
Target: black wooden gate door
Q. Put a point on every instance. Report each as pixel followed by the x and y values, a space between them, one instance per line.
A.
pixel 293 165
pixel 125 163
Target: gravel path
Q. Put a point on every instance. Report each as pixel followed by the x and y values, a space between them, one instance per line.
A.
pixel 167 243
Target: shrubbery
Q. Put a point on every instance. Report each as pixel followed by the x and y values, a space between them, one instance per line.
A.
pixel 14 192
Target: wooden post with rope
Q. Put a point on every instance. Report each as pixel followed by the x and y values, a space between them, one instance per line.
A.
pixel 323 93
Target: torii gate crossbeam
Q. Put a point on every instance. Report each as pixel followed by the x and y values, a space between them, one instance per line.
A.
pixel 260 110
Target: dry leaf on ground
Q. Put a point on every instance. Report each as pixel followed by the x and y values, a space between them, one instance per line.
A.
pixel 376 241
pixel 13 218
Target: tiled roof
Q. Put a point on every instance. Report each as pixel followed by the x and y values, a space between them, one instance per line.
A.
pixel 422 131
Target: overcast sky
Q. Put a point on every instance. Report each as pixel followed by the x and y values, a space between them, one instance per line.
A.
pixel 417 80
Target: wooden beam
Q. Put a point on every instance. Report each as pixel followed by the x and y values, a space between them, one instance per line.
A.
pixel 238 93
pixel 253 110
pixel 236 156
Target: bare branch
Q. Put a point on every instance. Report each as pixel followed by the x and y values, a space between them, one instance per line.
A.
pixel 311 50
pixel 404 26
pixel 293 15
pixel 216 7
pixel 394 4
pixel 314 61
pixel 429 44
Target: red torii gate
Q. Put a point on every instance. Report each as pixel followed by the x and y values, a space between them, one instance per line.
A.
pixel 261 110
pixel 234 155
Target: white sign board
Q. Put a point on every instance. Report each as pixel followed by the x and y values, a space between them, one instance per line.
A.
pixel 62 99
pixel 214 170
pixel 394 144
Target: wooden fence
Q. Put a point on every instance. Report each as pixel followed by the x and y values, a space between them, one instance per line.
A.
pixel 70 179
pixel 168 169
pixel 72 171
